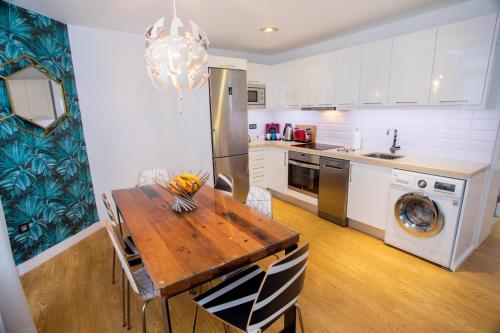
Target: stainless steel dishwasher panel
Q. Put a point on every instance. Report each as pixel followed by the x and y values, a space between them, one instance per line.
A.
pixel 333 187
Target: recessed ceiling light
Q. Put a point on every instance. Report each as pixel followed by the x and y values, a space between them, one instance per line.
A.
pixel 269 29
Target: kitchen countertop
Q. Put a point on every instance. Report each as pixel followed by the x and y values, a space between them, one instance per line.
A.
pixel 425 164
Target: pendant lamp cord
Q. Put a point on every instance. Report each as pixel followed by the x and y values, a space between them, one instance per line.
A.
pixel 175 9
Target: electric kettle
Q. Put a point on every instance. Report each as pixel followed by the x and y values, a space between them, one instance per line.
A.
pixel 288 132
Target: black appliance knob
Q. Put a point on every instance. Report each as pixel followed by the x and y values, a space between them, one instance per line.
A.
pixel 422 183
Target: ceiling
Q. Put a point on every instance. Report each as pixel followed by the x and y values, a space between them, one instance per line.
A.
pixel 235 24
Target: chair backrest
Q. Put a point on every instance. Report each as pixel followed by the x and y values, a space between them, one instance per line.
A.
pixel 224 183
pixel 109 210
pixel 112 219
pixel 120 252
pixel 279 290
pixel 151 176
pixel 261 200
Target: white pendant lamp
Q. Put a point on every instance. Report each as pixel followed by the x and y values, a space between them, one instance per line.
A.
pixel 176 57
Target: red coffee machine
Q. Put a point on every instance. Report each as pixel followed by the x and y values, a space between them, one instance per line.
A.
pixel 272 131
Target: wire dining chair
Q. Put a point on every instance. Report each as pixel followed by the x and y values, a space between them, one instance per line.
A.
pixel 261 200
pixel 151 176
pixel 138 280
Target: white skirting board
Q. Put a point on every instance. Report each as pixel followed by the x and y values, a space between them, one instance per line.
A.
pixel 37 260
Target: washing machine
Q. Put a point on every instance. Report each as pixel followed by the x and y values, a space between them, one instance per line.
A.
pixel 424 211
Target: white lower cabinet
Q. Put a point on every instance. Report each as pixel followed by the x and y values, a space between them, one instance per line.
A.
pixel 256 167
pixel 268 168
pixel 368 194
pixel 276 160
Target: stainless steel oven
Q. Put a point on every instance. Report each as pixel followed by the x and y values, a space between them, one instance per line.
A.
pixel 256 96
pixel 303 173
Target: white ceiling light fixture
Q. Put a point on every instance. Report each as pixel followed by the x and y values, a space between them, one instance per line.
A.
pixel 269 29
pixel 176 57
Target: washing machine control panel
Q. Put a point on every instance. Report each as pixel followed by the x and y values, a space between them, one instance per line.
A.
pixel 444 187
pixel 422 183
pixel 430 184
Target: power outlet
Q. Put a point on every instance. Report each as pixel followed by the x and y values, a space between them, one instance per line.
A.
pixel 23 228
pixel 252 126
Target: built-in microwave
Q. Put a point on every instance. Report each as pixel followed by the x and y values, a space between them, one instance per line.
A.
pixel 256 96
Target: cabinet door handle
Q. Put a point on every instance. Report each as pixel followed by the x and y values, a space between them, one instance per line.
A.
pixel 332 167
pixel 231 66
pixel 325 104
pixel 406 102
pixel 346 104
pixel 250 81
pixel 284 159
pixel 350 173
pixel 372 103
pixel 456 101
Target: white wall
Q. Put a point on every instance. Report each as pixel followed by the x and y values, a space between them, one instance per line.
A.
pixel 451 133
pixel 128 124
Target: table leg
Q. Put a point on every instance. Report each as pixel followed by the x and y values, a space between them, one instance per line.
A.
pixel 166 315
pixel 290 321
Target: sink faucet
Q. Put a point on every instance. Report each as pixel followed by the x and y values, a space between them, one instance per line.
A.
pixel 394 146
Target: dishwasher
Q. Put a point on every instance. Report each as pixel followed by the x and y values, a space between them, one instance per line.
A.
pixel 333 187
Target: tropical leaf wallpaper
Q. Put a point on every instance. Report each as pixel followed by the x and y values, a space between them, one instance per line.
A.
pixel 44 182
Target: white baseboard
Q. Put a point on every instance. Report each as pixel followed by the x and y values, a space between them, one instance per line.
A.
pixel 39 259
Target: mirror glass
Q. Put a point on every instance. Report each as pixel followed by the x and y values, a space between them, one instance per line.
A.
pixel 35 97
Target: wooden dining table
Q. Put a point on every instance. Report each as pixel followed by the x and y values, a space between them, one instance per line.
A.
pixel 184 250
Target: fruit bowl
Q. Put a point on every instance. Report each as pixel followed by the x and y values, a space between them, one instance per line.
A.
pixel 183 187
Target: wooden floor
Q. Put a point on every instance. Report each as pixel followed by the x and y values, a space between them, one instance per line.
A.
pixel 354 283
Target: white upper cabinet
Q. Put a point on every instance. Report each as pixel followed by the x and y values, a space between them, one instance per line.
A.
pixel 317 86
pixel 257 73
pixel 229 63
pixel 293 83
pixel 461 61
pixel 347 75
pixel 277 86
pixel 284 85
pixel 375 72
pixel 411 69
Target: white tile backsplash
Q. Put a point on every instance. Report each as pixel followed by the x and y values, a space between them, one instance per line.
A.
pixel 450 133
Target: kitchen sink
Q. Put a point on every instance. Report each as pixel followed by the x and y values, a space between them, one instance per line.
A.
pixel 384 156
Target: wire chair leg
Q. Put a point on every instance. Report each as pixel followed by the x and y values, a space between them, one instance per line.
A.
pixel 124 323
pixel 113 269
pixel 128 305
pixel 299 311
pixel 144 316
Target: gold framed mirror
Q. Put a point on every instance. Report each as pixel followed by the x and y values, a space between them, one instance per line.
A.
pixel 37 99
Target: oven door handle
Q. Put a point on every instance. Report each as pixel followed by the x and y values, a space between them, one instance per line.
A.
pixel 304 165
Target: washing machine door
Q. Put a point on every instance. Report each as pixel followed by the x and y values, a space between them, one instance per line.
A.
pixel 418 215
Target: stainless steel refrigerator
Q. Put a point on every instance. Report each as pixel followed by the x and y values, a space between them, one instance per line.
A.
pixel 229 119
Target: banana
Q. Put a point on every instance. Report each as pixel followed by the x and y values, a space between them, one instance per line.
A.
pixel 190 183
pixel 191 178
